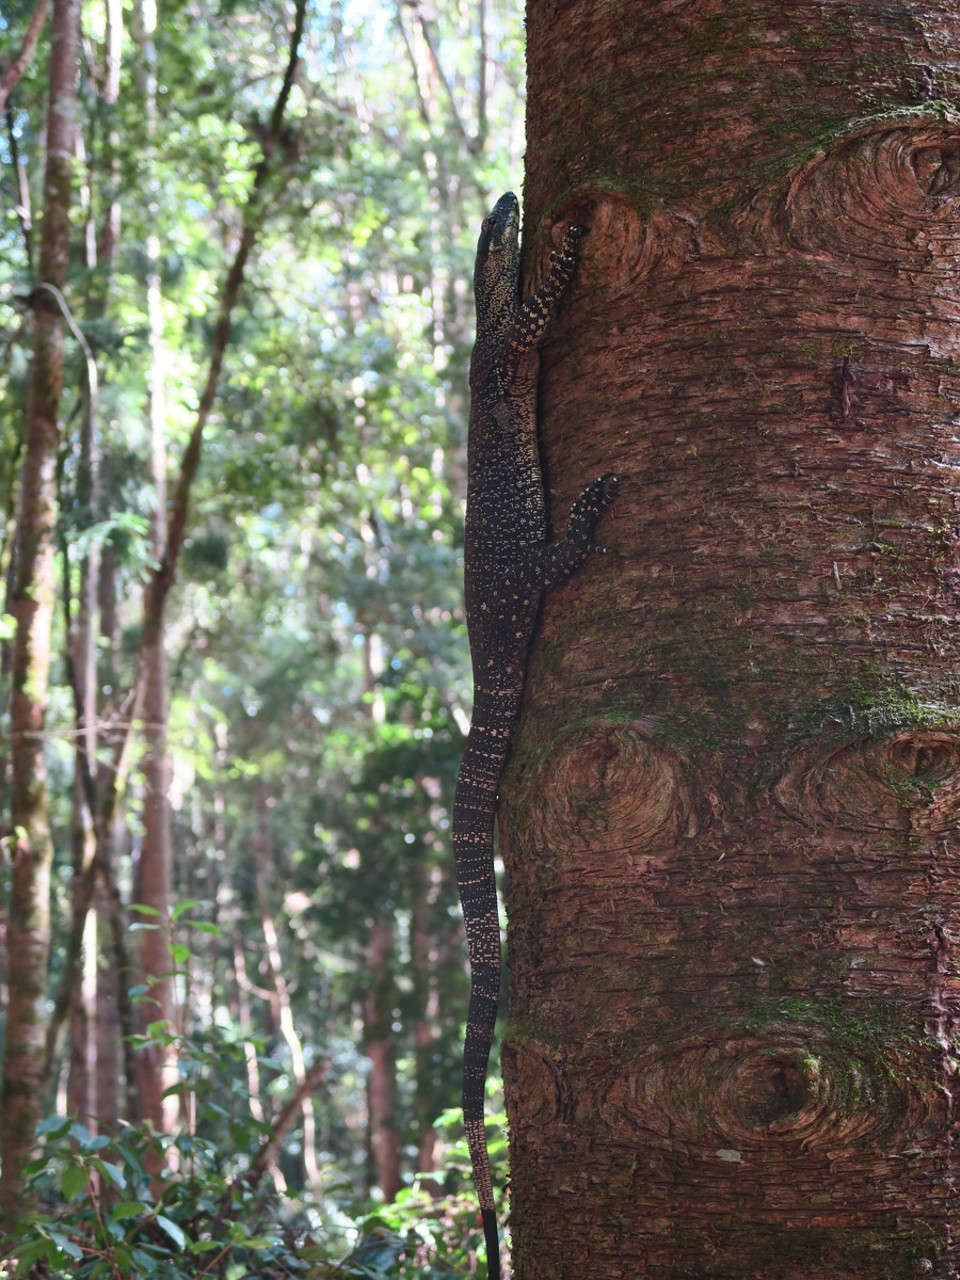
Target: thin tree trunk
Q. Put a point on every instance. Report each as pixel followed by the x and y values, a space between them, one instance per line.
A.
pixel 80 1097
pixel 425 956
pixel 730 822
pixel 158 1062
pixel 32 606
pixel 380 1047
pixel 265 874
pixel 108 1028
pixel 82 642
pixel 81 631
pixel 245 1022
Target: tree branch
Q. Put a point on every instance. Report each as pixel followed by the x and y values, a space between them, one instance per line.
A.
pixel 22 60
pixel 162 578
pixel 284 1123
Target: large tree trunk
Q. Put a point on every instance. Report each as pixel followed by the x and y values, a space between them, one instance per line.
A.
pixel 28 935
pixel 731 817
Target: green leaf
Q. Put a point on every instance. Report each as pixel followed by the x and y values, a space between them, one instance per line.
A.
pixel 173 1231
pixel 159 1032
pixel 131 1157
pixel 113 1172
pixel 180 953
pixel 128 1209
pixel 183 906
pixel 65 1245
pixel 29 1254
pixel 144 909
pixel 204 927
pixel 73 1181
pixel 57 1125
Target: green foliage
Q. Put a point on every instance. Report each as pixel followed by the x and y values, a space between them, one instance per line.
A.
pixel 103 1215
pixel 316 645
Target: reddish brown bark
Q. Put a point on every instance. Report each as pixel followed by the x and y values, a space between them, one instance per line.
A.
pixel 81 640
pixel 425 971
pixel 28 935
pixel 380 1047
pixel 731 819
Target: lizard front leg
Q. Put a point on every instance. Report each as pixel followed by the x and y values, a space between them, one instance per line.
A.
pixel 546 567
pixel 535 313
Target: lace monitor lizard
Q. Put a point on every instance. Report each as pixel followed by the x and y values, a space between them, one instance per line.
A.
pixel 508 565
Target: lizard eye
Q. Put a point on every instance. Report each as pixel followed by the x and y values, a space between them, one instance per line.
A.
pixel 486 224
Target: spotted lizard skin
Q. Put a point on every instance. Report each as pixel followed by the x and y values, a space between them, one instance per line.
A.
pixel 508 565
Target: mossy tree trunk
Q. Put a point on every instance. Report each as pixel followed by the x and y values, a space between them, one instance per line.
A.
pixel 28 933
pixel 730 825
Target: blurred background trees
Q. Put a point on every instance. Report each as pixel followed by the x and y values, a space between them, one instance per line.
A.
pixel 258 686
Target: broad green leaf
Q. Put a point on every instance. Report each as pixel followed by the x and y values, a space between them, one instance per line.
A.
pixel 173 1231
pixel 113 1172
pixel 128 1209
pixel 54 1125
pixel 204 926
pixel 28 1254
pixel 73 1181
pixel 183 906
pixel 65 1245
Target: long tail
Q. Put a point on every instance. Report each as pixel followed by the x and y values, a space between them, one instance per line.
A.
pixel 474 813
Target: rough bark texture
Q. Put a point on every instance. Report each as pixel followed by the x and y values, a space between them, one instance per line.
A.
pixel 730 825
pixel 32 605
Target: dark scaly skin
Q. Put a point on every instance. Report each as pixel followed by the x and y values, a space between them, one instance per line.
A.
pixel 508 565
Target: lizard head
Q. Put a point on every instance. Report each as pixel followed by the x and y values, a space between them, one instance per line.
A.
pixel 496 278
